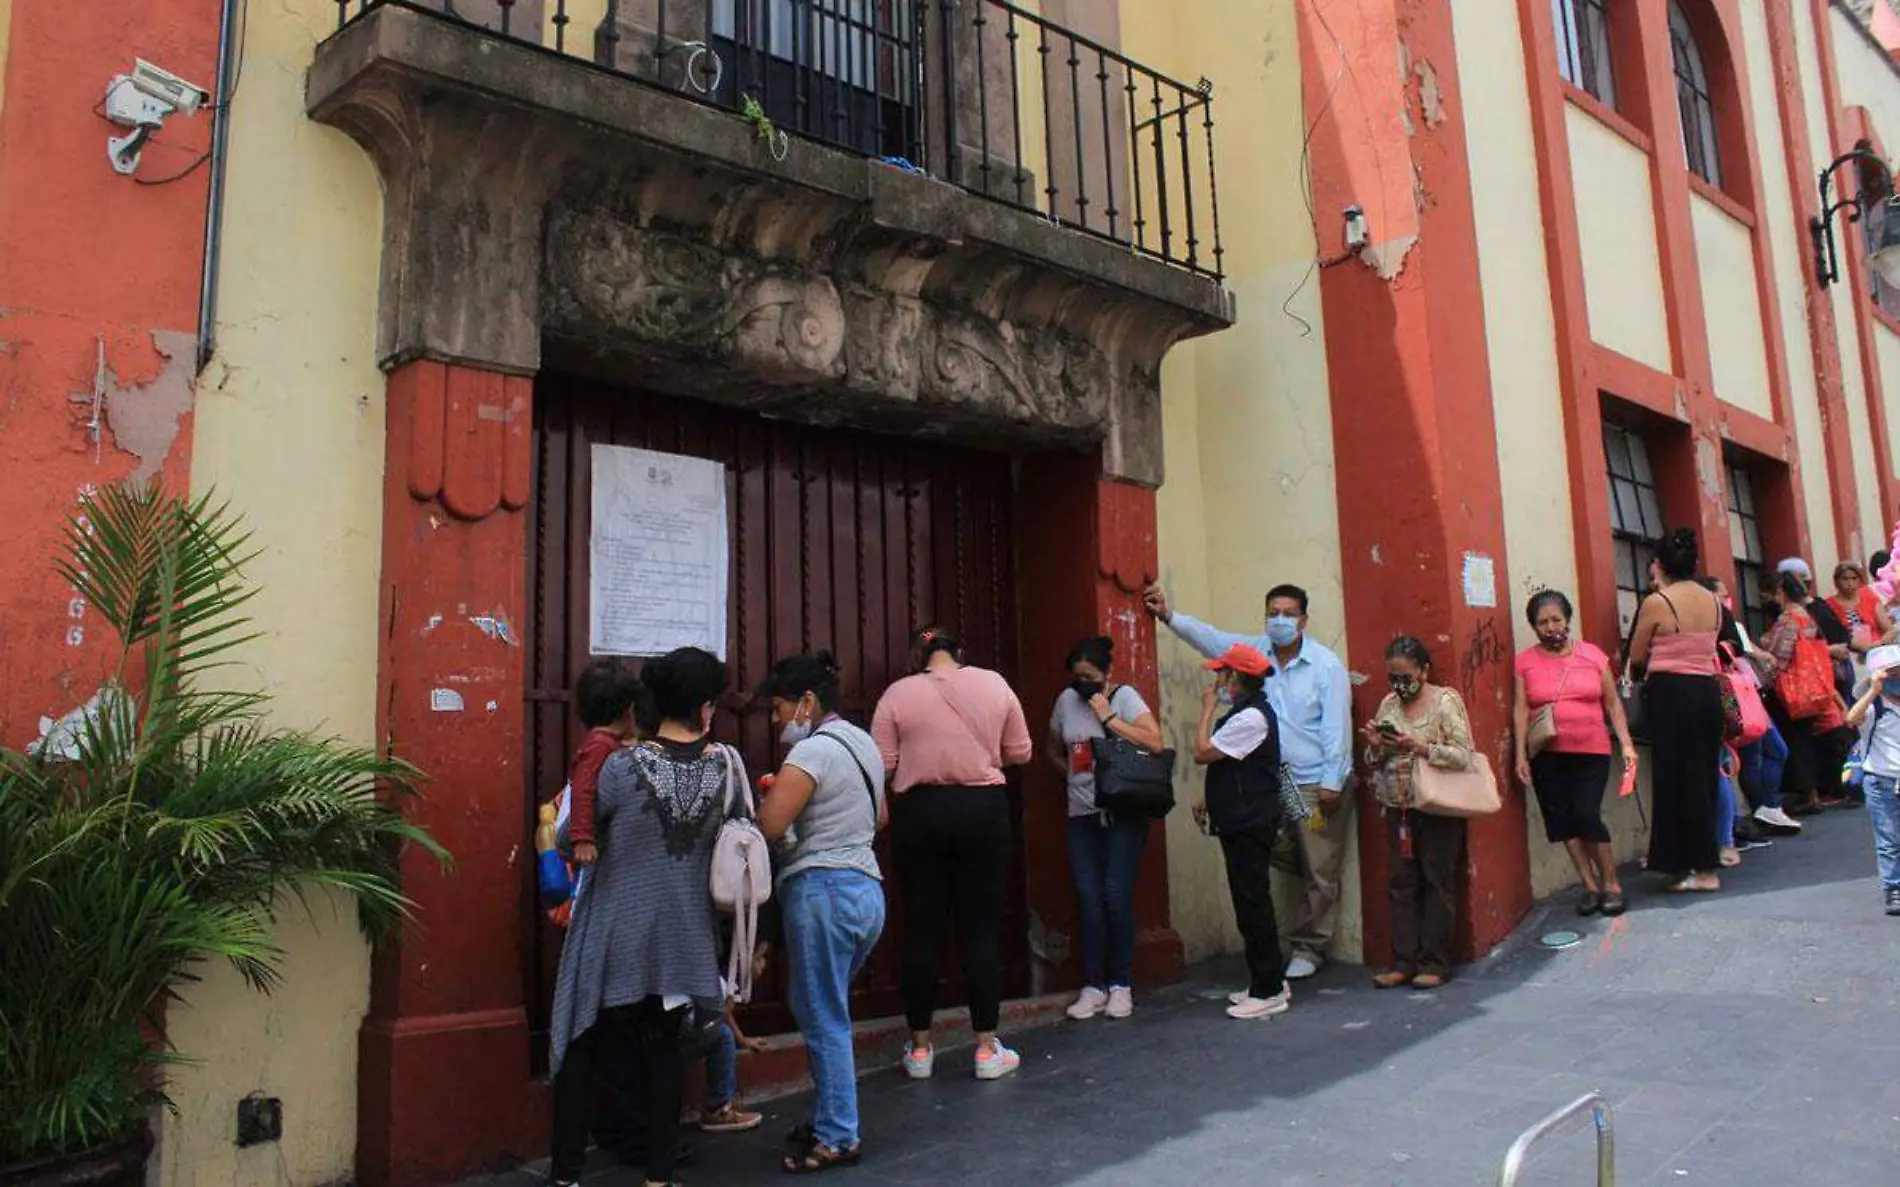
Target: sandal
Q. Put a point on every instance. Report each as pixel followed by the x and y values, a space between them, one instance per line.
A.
pixel 1614 905
pixel 1391 979
pixel 1590 903
pixel 819 1158
pixel 1429 981
pixel 1730 858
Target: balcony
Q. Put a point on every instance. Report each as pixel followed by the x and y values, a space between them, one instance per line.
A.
pixel 945 216
pixel 1033 115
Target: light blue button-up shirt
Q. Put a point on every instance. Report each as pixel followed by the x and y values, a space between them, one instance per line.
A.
pixel 1311 696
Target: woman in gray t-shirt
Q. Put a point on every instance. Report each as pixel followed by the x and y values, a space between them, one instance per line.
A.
pixel 823 811
pixel 1104 849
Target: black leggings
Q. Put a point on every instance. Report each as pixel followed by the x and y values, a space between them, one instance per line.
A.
pixel 645 1038
pixel 952 850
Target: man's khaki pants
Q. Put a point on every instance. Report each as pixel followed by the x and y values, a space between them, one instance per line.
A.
pixel 1315 857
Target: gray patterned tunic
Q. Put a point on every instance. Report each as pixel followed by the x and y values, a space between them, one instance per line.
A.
pixel 645 926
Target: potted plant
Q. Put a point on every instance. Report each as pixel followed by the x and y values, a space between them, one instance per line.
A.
pixel 159 828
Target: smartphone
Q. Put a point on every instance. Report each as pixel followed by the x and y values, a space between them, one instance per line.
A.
pixel 1387 728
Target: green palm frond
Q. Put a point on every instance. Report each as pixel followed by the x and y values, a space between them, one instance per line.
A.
pixel 169 831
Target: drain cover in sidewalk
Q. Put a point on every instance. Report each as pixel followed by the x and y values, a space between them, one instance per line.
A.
pixel 1557 940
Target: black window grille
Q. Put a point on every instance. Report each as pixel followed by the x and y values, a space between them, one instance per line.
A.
pixel 1693 98
pixel 1583 47
pixel 1636 523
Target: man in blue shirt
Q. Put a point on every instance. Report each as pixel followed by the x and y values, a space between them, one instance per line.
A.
pixel 1312 698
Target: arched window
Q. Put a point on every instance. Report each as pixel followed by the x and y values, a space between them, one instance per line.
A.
pixel 1692 96
pixel 1583 47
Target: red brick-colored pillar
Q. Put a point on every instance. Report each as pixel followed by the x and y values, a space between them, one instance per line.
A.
pixel 444 1072
pixel 1413 434
pixel 1088 549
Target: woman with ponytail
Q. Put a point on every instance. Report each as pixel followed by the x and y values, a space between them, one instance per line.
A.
pixel 1674 647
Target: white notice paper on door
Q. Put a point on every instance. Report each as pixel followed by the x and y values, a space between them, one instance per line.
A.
pixel 657 553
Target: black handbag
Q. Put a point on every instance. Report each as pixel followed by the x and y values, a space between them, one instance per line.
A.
pixel 1130 781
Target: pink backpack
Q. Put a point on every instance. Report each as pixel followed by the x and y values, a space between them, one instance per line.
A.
pixel 741 874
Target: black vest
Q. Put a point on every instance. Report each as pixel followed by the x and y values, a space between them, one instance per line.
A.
pixel 1244 793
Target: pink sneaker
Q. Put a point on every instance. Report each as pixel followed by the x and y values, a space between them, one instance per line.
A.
pixel 995 1061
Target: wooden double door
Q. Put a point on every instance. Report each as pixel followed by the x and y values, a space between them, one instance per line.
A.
pixel 838 539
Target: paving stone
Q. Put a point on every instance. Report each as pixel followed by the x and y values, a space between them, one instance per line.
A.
pixel 1746 1039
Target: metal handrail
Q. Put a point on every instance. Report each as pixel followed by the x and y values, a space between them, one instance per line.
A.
pixel 1599 1109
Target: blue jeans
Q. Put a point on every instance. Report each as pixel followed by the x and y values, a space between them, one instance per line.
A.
pixel 1726 809
pixel 1883 806
pixel 832 920
pixel 1762 763
pixel 1104 857
pixel 722 1071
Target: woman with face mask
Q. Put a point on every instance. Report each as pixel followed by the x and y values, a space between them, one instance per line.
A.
pixel 945 735
pixel 1569 682
pixel 823 813
pixel 1418 720
pixel 1104 849
pixel 1877 716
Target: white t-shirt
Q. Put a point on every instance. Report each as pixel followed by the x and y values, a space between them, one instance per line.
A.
pixel 1242 735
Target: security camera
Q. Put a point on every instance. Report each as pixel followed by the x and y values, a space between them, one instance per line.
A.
pixel 167 87
pixel 141 101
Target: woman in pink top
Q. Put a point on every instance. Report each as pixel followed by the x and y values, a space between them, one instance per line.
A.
pixel 1572 680
pixel 1674 646
pixel 945 735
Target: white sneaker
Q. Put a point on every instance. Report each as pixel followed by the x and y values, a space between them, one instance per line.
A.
pixel 1241 995
pixel 1776 818
pixel 1301 967
pixel 1261 1007
pixel 919 1063
pixel 1121 1001
pixel 996 1061
pixel 1088 1004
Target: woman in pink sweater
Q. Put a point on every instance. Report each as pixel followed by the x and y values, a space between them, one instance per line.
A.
pixel 945 735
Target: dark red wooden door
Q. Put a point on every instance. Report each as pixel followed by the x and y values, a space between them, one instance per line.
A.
pixel 838 539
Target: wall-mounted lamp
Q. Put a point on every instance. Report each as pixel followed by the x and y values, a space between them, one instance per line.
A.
pixel 1885 258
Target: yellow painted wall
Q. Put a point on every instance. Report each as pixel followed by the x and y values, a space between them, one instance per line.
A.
pixel 1868 79
pixel 1247 410
pixel 1520 332
pixel 1791 262
pixel 1616 225
pixel 1731 301
pixel 1845 300
pixel 289 427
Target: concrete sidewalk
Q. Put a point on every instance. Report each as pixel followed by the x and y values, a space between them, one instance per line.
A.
pixel 1749 1038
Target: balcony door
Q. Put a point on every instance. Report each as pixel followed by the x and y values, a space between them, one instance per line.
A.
pixel 841 71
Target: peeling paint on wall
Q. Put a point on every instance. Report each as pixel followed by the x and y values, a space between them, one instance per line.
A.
pixel 1388 257
pixel 144 418
pixel 1431 96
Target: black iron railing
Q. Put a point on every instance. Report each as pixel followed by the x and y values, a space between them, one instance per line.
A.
pixel 979 93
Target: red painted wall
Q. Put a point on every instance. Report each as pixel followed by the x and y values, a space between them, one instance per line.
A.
pixel 87 259
pixel 1411 393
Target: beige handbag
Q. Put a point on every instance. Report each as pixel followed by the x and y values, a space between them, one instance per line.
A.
pixel 1542 730
pixel 1468 793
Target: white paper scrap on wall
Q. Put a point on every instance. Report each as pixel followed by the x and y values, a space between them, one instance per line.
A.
pixel 1481 581
pixel 657 553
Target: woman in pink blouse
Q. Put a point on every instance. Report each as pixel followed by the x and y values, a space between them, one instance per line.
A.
pixel 1571 680
pixel 945 735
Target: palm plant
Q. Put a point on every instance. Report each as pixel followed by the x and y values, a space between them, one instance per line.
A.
pixel 163 828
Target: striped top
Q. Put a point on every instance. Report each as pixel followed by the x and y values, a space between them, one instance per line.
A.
pixel 646 926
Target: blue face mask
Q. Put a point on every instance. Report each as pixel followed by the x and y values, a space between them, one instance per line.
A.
pixel 1283 631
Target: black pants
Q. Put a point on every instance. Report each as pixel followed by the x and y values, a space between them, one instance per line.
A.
pixel 1249 855
pixel 646 1038
pixel 1425 890
pixel 952 850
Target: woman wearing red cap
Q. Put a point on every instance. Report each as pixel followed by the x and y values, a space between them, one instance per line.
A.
pixel 1241 752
